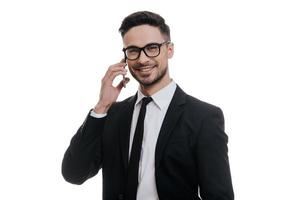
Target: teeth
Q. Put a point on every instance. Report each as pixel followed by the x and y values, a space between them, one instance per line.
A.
pixel 146 69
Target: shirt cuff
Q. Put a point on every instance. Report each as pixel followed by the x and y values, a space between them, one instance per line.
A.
pixel 96 115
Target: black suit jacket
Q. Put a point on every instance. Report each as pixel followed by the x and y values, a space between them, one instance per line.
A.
pixel 191 151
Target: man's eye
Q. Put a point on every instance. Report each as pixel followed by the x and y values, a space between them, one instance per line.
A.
pixel 152 47
pixel 133 50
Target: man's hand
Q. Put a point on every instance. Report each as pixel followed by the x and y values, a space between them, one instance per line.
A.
pixel 109 93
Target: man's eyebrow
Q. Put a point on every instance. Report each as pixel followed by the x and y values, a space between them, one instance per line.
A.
pixel 133 46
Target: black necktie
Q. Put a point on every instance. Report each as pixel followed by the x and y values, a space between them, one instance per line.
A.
pixel 133 167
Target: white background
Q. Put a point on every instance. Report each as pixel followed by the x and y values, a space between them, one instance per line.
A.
pixel 240 55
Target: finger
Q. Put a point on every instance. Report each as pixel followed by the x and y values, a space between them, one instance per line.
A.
pixel 115 67
pixel 121 64
pixel 112 69
pixel 122 83
pixel 110 78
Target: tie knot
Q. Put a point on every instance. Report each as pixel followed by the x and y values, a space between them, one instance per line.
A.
pixel 146 100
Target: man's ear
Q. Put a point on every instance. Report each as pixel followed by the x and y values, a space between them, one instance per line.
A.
pixel 170 48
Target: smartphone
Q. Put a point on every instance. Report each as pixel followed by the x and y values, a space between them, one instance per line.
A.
pixel 124 78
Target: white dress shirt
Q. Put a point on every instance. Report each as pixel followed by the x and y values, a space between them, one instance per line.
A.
pixel 156 111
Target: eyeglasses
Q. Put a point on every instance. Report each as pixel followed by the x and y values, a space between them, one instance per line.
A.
pixel 151 50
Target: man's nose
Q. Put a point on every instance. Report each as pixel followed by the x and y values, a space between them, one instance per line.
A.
pixel 143 57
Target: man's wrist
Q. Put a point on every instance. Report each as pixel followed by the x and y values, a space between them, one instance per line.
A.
pixel 101 109
pixel 97 115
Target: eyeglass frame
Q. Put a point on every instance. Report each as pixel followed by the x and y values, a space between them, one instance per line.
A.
pixel 143 49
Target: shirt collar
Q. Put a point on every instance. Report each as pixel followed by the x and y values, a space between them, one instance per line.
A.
pixel 161 98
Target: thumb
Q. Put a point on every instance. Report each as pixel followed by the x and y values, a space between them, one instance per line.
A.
pixel 122 83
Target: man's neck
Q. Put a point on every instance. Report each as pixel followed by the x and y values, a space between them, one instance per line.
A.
pixel 150 90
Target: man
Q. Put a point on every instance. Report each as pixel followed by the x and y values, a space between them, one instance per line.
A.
pixel 158 144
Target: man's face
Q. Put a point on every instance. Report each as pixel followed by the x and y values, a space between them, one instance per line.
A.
pixel 148 71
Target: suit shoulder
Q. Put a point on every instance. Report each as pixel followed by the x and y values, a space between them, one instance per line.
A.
pixel 127 100
pixel 119 104
pixel 201 107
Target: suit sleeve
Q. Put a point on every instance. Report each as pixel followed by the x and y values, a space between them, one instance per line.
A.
pixel 212 159
pixel 83 158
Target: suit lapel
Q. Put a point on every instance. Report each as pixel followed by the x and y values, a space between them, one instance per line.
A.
pixel 124 129
pixel 172 116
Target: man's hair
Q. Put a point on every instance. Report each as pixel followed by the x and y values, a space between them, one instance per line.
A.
pixel 142 18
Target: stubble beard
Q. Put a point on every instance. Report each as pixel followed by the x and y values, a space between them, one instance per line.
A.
pixel 158 78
